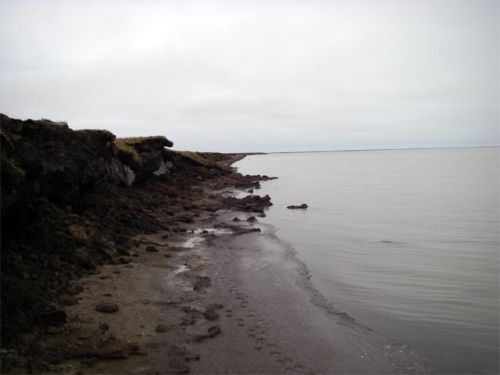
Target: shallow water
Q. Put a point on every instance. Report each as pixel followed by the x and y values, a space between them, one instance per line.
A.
pixel 405 241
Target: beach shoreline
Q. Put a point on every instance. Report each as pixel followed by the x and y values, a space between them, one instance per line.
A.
pixel 172 275
pixel 268 316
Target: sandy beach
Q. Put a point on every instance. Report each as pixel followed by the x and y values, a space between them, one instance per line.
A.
pixel 223 302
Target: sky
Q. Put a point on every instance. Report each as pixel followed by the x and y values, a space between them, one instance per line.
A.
pixel 241 76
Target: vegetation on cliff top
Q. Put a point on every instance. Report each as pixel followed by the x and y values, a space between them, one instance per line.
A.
pixel 126 145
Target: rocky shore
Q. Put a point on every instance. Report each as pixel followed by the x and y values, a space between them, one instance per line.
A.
pixel 83 209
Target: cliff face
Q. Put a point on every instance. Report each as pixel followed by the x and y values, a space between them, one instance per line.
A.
pixel 71 200
pixel 47 159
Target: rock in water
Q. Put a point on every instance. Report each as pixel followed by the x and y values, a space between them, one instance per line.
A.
pixel 303 206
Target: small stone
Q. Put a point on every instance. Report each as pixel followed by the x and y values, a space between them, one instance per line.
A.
pixel 211 314
pixel 214 331
pixel 252 219
pixel 68 301
pixel 104 327
pixel 54 317
pixel 151 249
pixel 160 328
pixel 107 307
pixel 302 206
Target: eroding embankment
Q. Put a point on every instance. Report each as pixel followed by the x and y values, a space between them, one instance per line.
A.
pixel 71 200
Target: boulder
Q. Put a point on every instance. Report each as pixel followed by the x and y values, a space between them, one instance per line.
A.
pixel 302 206
pixel 107 307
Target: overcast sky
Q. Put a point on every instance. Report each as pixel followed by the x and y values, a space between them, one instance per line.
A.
pixel 258 75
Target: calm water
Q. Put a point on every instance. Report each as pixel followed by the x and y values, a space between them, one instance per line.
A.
pixel 406 241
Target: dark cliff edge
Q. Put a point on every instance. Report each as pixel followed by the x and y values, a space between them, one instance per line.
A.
pixel 71 200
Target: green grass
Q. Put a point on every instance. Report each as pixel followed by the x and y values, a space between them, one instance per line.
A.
pixel 197 157
pixel 126 145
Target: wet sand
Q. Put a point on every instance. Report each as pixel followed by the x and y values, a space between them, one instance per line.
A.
pixel 225 303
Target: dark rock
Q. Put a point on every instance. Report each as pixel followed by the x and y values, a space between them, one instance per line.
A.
pixel 104 327
pixel 236 219
pixel 89 361
pixel 211 332
pixel 160 328
pixel 252 219
pixel 54 317
pixel 303 206
pixel 151 249
pixel 201 283
pixel 211 314
pixel 116 349
pixel 107 307
pixel 68 301
pixel 240 231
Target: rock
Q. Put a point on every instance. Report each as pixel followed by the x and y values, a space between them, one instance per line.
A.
pixel 252 219
pixel 151 249
pixel 303 206
pixel 160 328
pixel 215 306
pixel 107 307
pixel 250 203
pixel 240 231
pixel 82 256
pixel 104 327
pixel 211 314
pixel 201 283
pixel 54 317
pixel 188 320
pixel 116 349
pixel 211 332
pixel 236 219
pixel 89 361
pixel 68 301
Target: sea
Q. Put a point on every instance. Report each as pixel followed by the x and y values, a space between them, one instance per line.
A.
pixel 404 241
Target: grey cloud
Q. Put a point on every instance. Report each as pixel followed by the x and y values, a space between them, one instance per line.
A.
pixel 258 76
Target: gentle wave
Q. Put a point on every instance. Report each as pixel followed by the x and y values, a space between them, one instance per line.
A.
pixel 405 241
